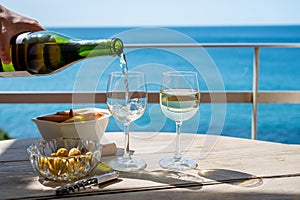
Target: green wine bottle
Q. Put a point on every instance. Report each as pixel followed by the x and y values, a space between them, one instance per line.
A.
pixel 45 52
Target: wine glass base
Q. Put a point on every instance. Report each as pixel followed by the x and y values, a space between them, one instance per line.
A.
pixel 178 164
pixel 127 164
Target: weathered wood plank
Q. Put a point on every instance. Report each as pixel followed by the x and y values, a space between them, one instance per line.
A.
pixel 217 191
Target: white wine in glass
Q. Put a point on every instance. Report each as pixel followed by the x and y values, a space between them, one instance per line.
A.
pixel 126 100
pixel 179 101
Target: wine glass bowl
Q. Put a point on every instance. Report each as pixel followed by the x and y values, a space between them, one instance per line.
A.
pixel 179 104
pixel 133 110
pixel 126 100
pixel 179 101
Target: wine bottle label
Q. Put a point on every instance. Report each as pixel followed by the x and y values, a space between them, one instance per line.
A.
pixel 8 67
pixel 21 37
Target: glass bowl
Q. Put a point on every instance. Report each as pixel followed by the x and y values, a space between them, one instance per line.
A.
pixel 64 159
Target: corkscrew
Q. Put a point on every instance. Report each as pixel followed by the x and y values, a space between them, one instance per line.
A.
pixel 72 187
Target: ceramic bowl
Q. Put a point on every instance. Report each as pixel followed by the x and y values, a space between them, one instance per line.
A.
pixel 90 129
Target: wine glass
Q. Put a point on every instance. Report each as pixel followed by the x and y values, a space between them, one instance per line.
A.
pixel 126 100
pixel 179 101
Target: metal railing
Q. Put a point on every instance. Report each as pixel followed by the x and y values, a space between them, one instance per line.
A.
pixel 254 97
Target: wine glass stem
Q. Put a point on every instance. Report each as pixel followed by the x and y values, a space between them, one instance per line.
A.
pixel 126 143
pixel 178 155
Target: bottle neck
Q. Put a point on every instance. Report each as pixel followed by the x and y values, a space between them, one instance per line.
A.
pixel 92 48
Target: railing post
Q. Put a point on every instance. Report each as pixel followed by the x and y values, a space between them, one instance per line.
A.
pixel 254 93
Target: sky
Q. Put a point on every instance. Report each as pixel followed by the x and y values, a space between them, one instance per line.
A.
pixel 139 13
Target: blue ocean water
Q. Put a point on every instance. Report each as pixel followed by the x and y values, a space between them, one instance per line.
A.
pixel 279 70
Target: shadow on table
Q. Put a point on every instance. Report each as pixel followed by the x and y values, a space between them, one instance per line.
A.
pixel 231 177
pixel 171 178
pixel 166 177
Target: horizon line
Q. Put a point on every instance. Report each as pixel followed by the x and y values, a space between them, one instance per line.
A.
pixel 173 26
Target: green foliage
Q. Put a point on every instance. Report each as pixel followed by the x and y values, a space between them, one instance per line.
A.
pixel 4 135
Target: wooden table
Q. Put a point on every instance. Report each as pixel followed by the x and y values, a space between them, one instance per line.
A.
pixel 233 168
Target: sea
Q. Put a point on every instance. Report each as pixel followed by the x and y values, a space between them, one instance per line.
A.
pixel 220 69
